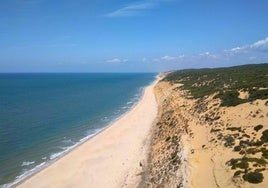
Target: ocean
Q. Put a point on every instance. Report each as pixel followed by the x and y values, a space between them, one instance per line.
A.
pixel 45 115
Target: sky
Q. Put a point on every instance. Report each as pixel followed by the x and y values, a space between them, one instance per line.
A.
pixel 130 35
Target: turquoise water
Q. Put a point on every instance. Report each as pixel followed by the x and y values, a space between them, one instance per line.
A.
pixel 42 116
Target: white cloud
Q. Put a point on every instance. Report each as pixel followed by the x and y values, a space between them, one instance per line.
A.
pixel 252 58
pixel 116 60
pixel 208 55
pixel 168 58
pixel 131 10
pixel 256 52
pixel 236 49
pixel 144 59
pixel 135 9
pixel 156 60
pixel 261 45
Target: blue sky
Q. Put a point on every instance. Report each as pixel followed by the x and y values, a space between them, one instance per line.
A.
pixel 130 36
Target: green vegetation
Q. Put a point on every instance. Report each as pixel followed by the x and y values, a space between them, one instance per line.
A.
pixel 264 137
pixel 241 163
pixel 248 175
pixel 253 177
pixel 258 127
pixel 226 82
pixel 168 138
pixel 264 153
pixel 249 166
pixel 229 141
pixel 234 128
pixel 215 130
pixel 237 148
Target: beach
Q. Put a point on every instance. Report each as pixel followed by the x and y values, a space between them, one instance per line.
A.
pixel 116 157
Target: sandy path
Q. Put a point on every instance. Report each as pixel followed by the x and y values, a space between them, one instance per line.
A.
pixel 110 159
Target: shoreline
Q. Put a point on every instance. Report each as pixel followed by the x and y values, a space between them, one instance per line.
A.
pixel 108 131
pixel 46 164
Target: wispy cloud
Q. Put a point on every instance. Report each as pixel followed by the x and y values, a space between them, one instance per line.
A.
pixel 207 55
pixel 135 9
pixel 20 4
pixel 144 59
pixel 256 52
pixel 259 46
pixel 168 58
pixel 116 60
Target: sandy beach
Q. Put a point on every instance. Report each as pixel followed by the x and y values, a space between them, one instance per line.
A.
pixel 115 157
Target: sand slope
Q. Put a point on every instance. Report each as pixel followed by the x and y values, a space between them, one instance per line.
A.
pixel 195 141
pixel 113 158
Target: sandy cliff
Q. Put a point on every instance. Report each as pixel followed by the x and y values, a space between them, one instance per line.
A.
pixel 198 142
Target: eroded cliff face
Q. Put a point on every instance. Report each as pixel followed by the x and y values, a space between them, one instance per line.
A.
pixel 197 142
pixel 167 161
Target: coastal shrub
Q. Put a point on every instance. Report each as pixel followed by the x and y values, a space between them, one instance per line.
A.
pixel 229 140
pixel 226 82
pixel 252 151
pixel 245 143
pixel 174 139
pixel 168 138
pixel 258 94
pixel 234 128
pixel 238 163
pixel 260 169
pixel 246 135
pixel 242 165
pixel 264 153
pixel 229 98
pixel 256 160
pixel 215 130
pixel 220 136
pixel 264 137
pixel 257 143
pixel 172 124
pixel 258 127
pixel 253 177
pixel 237 173
pixel 237 148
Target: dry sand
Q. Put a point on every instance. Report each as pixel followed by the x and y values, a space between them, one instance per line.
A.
pixel 208 162
pixel 114 158
pixel 190 146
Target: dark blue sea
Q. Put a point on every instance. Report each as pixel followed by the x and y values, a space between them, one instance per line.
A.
pixel 43 116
